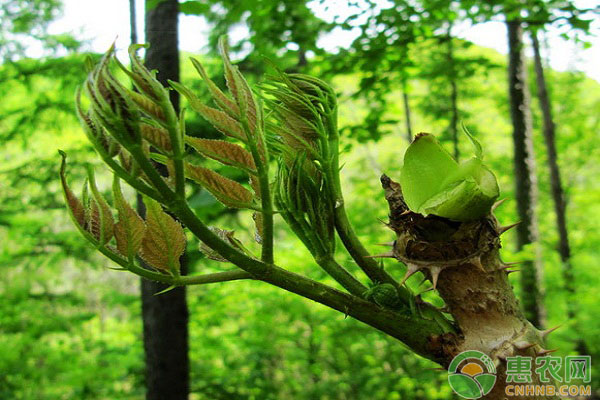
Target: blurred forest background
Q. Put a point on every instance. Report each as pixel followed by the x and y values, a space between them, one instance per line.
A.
pixel 70 328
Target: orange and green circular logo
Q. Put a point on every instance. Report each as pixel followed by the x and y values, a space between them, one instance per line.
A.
pixel 472 374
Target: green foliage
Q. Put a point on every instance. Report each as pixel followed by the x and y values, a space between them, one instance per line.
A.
pixel 287 30
pixel 24 20
pixel 71 328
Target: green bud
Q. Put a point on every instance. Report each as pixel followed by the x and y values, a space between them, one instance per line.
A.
pixel 384 295
pixel 305 111
pixel 144 79
pixel 104 144
pixel 111 105
pixel 434 183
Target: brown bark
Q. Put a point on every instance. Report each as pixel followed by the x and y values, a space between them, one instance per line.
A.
pixel 165 316
pixel 525 178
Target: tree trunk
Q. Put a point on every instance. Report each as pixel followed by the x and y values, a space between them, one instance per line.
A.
pixel 166 315
pixel 132 22
pixel 453 92
pixel 525 178
pixel 409 134
pixel 302 60
pixel 558 196
pixel 162 36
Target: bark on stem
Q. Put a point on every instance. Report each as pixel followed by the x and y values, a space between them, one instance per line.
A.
pixel 463 263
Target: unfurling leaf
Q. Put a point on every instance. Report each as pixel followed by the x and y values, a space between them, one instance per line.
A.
pixel 101 222
pixel 230 75
pixel 301 126
pixel 164 240
pixel 224 152
pixel 226 236
pixel 111 105
pixel 258 224
pixel 130 230
pixel 220 98
pixel 75 206
pixel 433 182
pixel 227 191
pixel 219 119
pixel 305 203
pixel 103 143
pixel 296 103
pixel 127 161
pixel 147 105
pixel 474 142
pixel 305 111
pixel 170 164
pixel 143 79
pixel 255 185
pixel 158 137
pixel 238 86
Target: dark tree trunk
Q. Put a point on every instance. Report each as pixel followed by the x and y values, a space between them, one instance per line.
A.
pixel 564 248
pixel 525 178
pixel 132 22
pixel 166 315
pixel 161 34
pixel 409 134
pixel 302 60
pixel 555 181
pixel 453 92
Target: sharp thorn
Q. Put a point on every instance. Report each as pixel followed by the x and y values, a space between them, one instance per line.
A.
pixel 476 261
pixel 405 213
pixel 510 271
pixel 389 254
pixel 165 290
pixel 503 229
pixel 543 352
pixel 435 274
pixel 546 332
pixel 410 270
pixel 508 264
pixel 498 204
pixel 438 369
pixel 523 345
pixel 383 222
